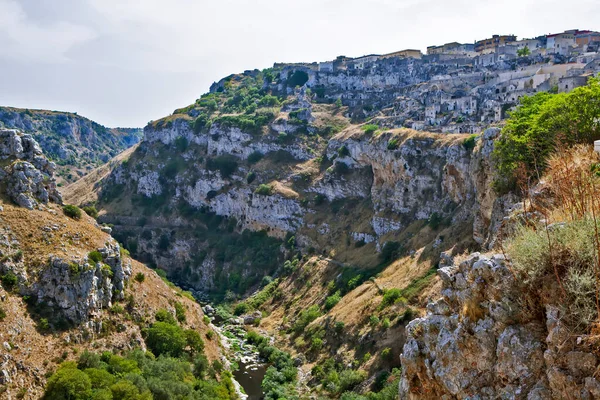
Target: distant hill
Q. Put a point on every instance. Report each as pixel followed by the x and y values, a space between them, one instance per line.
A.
pixel 75 143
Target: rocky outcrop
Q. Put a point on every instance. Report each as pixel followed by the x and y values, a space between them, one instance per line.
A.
pixel 28 174
pixel 77 289
pixel 479 341
pixel 67 137
pixel 80 288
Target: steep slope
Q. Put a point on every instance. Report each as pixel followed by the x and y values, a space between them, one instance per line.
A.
pixel 67 285
pixel 258 181
pixel 75 143
pixel 257 157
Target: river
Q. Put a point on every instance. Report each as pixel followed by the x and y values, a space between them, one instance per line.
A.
pixel 251 370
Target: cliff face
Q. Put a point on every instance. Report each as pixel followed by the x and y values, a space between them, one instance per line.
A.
pixel 78 287
pixel 65 282
pixel 76 144
pixel 327 192
pixel 481 340
pixel 27 174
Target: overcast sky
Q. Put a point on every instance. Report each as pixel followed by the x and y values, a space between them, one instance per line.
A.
pixel 126 62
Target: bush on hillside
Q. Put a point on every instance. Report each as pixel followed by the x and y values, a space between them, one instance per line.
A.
pixel 564 256
pixel 370 128
pixel 95 256
pixel 91 211
pixel 72 211
pixel 264 190
pixel 166 339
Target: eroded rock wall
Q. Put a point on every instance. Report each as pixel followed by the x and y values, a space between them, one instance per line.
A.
pixel 479 341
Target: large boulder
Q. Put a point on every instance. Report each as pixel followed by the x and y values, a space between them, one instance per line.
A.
pixel 28 174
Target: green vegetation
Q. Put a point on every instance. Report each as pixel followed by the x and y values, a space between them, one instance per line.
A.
pixel 138 375
pixel 9 280
pixel 524 52
pixel 255 157
pixel 370 128
pixel 343 151
pixel 72 211
pixel 541 124
pixel 95 256
pixel 140 277
pixel 164 338
pixel 264 190
pixel 91 211
pixel 305 318
pixel 390 252
pixel 568 253
pixel 332 300
pixel 2 314
pixel 180 312
pixel 391 296
pixel 280 380
pixel 393 144
pixel 470 142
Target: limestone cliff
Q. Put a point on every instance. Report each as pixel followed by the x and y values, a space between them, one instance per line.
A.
pixel 65 282
pixel 481 340
pixel 76 144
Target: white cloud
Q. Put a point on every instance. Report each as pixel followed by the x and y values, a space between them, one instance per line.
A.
pixel 24 39
pixel 180 47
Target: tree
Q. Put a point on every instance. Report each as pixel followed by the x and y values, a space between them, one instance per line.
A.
pixel 68 383
pixel 524 52
pixel 165 338
pixel 539 125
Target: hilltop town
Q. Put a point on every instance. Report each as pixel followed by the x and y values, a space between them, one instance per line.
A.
pixel 455 87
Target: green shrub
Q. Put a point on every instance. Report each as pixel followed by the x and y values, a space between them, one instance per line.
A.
pixel 435 220
pixel 393 144
pixel 44 325
pixel 255 157
pixel 343 151
pixel 73 269
pixel 180 312
pixel 91 211
pixel 349 379
pixel 194 341
pixel 162 315
pixel 332 300
pixel 316 344
pixel 370 128
pixel 9 280
pixel 390 251
pixel 140 277
pixel 264 190
pixel 571 255
pixel 165 338
pixel 470 142
pixel 339 327
pixel 72 211
pixel 95 256
pixel 241 308
pixel 373 320
pixel 68 383
pixel 2 314
pixel 391 296
pixel 306 317
pixel 386 354
pixel 250 177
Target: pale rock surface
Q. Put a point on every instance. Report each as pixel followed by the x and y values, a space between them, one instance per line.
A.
pixel 477 342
